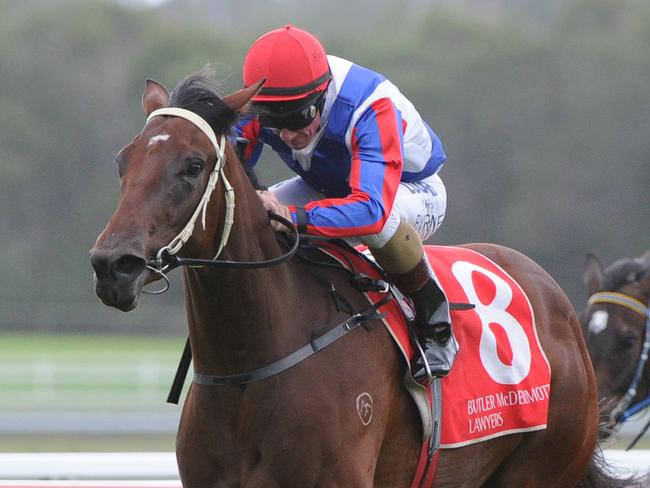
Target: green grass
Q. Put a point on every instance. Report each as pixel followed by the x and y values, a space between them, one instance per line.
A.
pixel 61 373
pixel 87 443
pixel 85 371
pixel 86 344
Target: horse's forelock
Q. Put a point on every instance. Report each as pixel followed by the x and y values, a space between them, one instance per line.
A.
pixel 201 94
pixel 623 271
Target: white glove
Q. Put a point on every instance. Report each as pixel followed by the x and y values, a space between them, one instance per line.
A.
pixel 272 204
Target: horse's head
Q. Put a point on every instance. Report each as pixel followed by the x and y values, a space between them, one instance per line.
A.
pixel 614 323
pixel 164 173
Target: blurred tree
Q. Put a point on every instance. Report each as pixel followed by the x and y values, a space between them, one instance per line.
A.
pixel 543 111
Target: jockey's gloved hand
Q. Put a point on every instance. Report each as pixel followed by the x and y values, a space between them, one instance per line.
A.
pixel 272 204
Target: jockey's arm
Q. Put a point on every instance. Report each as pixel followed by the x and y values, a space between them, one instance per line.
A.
pixel 376 152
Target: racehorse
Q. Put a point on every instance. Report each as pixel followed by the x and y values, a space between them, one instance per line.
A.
pixel 616 325
pixel 299 427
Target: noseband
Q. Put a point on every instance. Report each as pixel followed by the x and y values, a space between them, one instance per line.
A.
pixel 166 257
pixel 623 411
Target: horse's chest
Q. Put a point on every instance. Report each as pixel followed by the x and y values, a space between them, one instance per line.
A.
pixel 274 438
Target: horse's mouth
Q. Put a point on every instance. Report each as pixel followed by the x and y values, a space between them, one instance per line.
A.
pixel 127 306
pixel 123 297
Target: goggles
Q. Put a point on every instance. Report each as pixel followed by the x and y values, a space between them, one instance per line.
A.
pixel 292 115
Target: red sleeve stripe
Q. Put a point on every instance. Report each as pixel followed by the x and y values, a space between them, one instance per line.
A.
pixel 251 132
pixel 355 164
pixel 391 145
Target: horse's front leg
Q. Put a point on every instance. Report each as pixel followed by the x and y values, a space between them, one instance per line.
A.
pixel 206 444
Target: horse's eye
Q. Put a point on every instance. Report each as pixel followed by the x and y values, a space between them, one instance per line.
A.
pixel 628 341
pixel 195 167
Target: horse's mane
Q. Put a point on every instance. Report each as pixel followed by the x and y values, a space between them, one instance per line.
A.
pixel 623 271
pixel 202 94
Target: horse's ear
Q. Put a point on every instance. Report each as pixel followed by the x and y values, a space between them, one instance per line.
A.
pixel 238 100
pixel 593 276
pixel 646 256
pixel 645 279
pixel 155 96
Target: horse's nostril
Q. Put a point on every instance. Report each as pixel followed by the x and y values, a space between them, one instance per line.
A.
pixel 129 265
pixel 109 264
pixel 100 262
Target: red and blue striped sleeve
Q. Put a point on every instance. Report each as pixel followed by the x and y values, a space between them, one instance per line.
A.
pixel 248 128
pixel 376 169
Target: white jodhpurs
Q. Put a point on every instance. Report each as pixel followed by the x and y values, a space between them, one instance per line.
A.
pixel 421 203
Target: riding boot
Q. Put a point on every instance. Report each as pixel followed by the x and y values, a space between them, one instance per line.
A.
pixel 404 261
pixel 433 326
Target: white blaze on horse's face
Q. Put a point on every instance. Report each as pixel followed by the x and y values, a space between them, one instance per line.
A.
pixel 157 139
pixel 598 322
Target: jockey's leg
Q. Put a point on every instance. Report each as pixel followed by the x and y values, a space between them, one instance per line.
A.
pixel 405 262
pixel 418 211
pixel 295 191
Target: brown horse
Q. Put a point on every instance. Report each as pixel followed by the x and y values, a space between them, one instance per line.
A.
pixel 617 327
pixel 300 427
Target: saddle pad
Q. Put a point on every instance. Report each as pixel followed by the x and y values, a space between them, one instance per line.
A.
pixel 500 381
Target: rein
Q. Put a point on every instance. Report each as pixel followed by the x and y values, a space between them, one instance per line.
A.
pixel 623 411
pixel 173 261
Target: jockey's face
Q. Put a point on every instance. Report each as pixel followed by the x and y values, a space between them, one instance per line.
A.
pixel 299 139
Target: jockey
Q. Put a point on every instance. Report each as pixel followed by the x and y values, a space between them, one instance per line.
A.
pixel 367 167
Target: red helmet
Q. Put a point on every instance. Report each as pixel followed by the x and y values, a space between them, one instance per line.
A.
pixel 293 62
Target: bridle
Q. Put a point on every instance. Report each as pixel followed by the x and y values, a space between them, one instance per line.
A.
pixel 623 410
pixel 166 258
pixel 177 242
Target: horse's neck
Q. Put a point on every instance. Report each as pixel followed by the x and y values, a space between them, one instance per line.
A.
pixel 242 318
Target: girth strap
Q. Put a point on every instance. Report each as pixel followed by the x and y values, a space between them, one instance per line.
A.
pixel 315 345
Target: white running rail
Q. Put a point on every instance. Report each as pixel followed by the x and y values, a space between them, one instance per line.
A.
pixel 89 465
pixel 159 470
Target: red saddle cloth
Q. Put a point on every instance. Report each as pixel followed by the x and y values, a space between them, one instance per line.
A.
pixel 500 381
